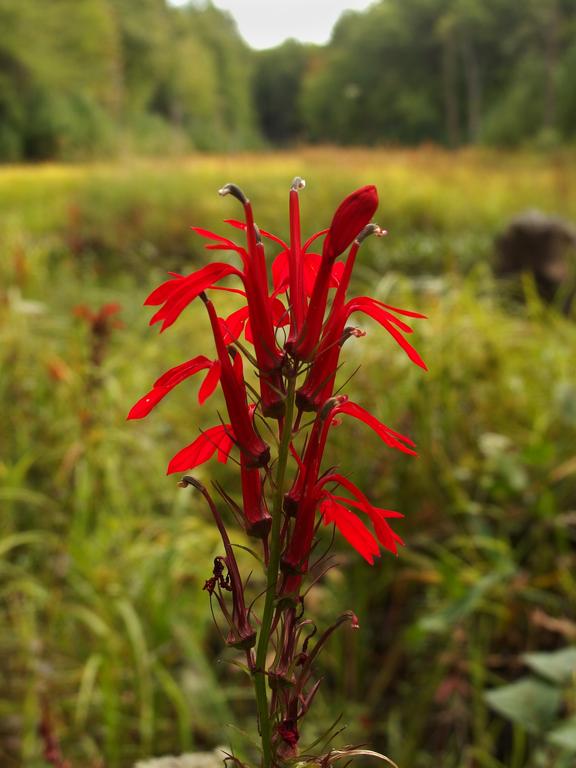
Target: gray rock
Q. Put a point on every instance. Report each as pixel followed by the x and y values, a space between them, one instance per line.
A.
pixel 544 246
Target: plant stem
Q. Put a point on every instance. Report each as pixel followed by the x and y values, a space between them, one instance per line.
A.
pixel 272 579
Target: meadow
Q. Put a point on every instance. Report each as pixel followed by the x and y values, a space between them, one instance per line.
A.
pixel 465 656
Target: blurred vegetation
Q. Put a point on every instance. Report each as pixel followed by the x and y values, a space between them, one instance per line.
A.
pixel 93 78
pixel 103 622
pixel 90 77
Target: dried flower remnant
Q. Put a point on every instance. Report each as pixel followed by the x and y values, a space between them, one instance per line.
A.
pixel 290 331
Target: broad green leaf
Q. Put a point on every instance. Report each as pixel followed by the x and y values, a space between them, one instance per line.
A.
pixel 556 666
pixel 529 702
pixel 564 735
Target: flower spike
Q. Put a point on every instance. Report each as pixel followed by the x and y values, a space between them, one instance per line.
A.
pixel 291 334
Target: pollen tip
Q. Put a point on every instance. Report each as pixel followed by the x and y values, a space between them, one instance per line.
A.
pixel 332 403
pixel 235 191
pixel 189 480
pixel 297 183
pixel 370 229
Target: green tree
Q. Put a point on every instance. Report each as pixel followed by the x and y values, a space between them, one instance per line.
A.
pixel 278 79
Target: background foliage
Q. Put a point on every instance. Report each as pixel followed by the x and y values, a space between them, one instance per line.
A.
pixel 86 78
pixel 102 559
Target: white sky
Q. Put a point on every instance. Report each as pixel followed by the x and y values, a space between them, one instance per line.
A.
pixel 266 23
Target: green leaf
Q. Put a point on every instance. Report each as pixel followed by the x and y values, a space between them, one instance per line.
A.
pixel 459 609
pixel 564 735
pixel 557 666
pixel 87 688
pixel 529 702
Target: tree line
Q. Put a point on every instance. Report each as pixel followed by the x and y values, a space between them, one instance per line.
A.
pixel 82 78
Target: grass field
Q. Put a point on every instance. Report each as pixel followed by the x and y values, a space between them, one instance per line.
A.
pixel 103 622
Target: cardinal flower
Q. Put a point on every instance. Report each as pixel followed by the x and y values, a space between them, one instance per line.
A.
pixel 254 449
pixel 351 216
pixel 308 494
pixel 290 323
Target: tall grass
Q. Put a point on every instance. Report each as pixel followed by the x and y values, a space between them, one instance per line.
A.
pixel 102 559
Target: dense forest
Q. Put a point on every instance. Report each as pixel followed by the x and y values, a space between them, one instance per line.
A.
pixel 89 78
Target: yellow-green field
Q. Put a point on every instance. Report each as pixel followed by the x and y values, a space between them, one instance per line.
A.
pixel 103 620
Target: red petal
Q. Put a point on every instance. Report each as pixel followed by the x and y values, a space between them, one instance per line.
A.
pixel 360 505
pixel 280 314
pixel 386 535
pixel 233 325
pixel 280 272
pixel 212 440
pixel 377 311
pixel 312 239
pixel 334 477
pixel 311 267
pixel 185 290
pixel 352 528
pixel 389 436
pixel 210 382
pixel 225 445
pixel 183 371
pixel 227 289
pixel 143 407
pixel 267 235
pixel 164 290
pixel 213 236
pixel 167 382
pixel 405 312
pixel 337 271
pixel 248 335
pixel 388 321
pixel 224 244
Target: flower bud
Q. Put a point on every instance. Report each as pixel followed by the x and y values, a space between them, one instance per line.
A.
pixel 351 216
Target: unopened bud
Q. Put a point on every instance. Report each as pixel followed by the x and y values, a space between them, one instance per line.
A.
pixel 235 191
pixel 353 620
pixel 349 221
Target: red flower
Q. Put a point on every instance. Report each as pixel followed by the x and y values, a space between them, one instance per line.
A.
pixel 177 293
pixel 320 381
pixel 378 516
pixel 308 490
pixel 351 527
pixel 174 376
pixel 216 439
pixel 255 277
pixel 254 509
pixel 255 450
pixel 305 278
pixel 351 216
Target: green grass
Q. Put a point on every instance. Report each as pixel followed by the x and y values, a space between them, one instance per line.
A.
pixel 103 559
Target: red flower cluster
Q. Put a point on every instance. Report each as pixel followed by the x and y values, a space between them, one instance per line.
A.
pixel 295 318
pixel 312 347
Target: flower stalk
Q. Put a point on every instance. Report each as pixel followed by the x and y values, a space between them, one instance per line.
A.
pixel 272 577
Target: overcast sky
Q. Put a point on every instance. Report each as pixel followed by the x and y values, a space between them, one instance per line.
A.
pixel 266 23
